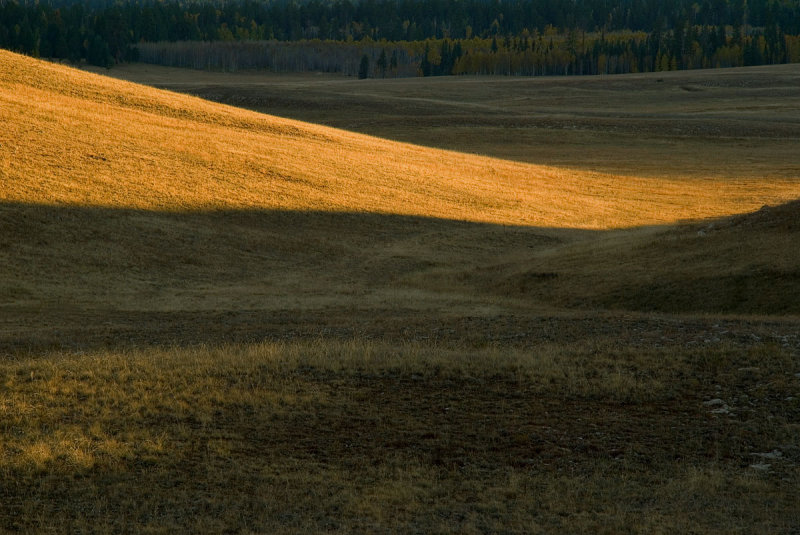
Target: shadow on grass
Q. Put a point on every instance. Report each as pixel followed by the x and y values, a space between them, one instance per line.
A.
pixel 72 275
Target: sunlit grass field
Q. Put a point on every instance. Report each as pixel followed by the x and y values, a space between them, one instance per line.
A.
pixel 216 320
pixel 92 141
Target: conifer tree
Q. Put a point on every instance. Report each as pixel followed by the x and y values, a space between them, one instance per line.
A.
pixel 382 63
pixel 363 68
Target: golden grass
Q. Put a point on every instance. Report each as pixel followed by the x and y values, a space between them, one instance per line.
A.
pixel 720 124
pixel 121 201
pixel 441 375
pixel 359 436
pixel 94 141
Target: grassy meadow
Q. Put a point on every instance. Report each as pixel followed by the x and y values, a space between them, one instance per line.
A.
pixel 724 124
pixel 422 306
pixel 359 436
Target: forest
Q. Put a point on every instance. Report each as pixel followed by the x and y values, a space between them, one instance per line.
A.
pixel 383 38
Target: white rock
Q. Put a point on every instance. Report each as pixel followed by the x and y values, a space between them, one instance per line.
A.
pixel 774 454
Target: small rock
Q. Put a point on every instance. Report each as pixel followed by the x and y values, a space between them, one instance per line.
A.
pixel 774 454
pixel 713 402
pixel 721 410
pixel 749 369
pixel 761 467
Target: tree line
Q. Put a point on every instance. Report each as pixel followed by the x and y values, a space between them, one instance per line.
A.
pixel 617 53
pixel 410 37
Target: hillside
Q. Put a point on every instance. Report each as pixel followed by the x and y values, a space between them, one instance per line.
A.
pixel 126 209
pixel 214 320
pixel 738 124
pixel 746 264
pixel 88 140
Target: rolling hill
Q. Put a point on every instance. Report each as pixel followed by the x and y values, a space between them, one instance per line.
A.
pixel 75 138
pixel 214 320
pixel 130 209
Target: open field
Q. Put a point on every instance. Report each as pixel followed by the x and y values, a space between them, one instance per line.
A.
pixel 217 320
pixel 726 123
pixel 369 437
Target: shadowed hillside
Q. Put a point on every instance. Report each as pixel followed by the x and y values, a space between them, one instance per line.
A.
pixel 101 276
pixel 745 264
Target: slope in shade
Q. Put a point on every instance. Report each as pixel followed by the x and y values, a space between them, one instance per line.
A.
pixel 745 264
pixel 78 276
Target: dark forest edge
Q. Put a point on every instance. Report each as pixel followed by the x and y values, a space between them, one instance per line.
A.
pixel 390 38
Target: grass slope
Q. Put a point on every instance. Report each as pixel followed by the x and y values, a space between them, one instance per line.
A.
pixel 746 264
pixel 94 141
pixel 723 124
pixel 118 197
pixel 451 357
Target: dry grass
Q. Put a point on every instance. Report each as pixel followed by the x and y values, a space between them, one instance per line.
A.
pixel 746 264
pixel 470 344
pixel 95 141
pixel 723 124
pixel 366 437
pixel 194 206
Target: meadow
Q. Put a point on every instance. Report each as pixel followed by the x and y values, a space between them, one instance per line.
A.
pixel 501 305
pixel 730 124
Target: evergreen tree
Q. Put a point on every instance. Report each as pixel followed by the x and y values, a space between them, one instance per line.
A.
pixel 383 63
pixel 425 64
pixel 363 68
pixel 99 53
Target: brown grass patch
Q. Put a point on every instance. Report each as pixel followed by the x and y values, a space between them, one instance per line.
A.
pixel 363 436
